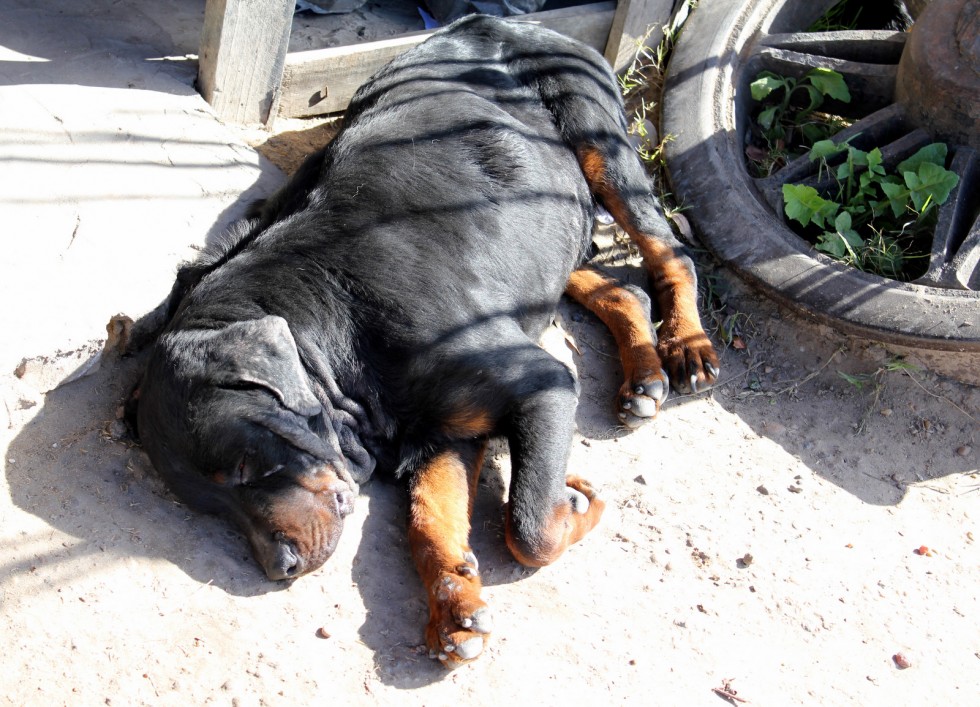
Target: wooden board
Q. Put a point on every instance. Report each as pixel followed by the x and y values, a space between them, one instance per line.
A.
pixel 323 81
pixel 243 50
pixel 630 25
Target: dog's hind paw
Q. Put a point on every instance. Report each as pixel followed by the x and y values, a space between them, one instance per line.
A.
pixel 691 361
pixel 640 400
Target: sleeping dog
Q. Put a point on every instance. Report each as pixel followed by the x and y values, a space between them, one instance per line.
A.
pixel 382 311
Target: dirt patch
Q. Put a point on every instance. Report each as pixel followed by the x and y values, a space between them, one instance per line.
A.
pixel 112 591
pixel 763 542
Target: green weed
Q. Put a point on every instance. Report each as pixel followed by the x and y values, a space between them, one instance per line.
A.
pixel 876 383
pixel 875 220
pixel 788 119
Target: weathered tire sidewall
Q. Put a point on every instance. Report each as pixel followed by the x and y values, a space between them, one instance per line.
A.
pixel 707 175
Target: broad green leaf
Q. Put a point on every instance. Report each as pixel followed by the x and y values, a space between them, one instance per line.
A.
pixel 866 180
pixel 829 83
pixel 857 208
pixel 766 117
pixel 814 132
pixel 803 204
pixel 897 196
pixel 816 99
pixel 875 174
pixel 842 222
pixel 825 148
pixel 931 183
pixel 859 158
pixel 874 162
pixel 832 245
pixel 842 245
pixel 935 153
pixel 765 84
pixel 852 239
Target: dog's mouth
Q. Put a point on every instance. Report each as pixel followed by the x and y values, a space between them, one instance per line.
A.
pixel 295 532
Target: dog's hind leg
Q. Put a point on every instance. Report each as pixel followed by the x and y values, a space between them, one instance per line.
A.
pixel 616 177
pixel 581 93
pixel 442 492
pixel 626 312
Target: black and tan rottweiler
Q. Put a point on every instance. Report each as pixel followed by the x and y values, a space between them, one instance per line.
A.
pixel 382 311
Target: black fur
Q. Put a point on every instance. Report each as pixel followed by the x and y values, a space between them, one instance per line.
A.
pixel 401 278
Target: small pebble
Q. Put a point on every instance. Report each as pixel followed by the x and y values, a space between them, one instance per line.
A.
pixel 795 489
pixel 964 450
pixel 886 412
pixel 901 661
pixel 640 480
pixel 322 633
pixel 763 490
pixel 746 559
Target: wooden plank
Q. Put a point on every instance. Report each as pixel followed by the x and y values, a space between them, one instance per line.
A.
pixel 323 81
pixel 243 51
pixel 633 19
pixel 589 24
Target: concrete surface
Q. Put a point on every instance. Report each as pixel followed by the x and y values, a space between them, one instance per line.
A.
pixel 113 167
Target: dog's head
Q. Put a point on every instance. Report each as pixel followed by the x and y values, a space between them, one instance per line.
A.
pixel 228 418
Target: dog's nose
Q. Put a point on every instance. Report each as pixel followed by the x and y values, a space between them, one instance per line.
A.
pixel 284 563
pixel 345 502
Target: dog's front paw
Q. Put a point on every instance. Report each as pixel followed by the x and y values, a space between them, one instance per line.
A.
pixel 691 362
pixel 641 397
pixel 459 620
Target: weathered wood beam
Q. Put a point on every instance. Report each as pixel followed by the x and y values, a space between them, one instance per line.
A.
pixel 323 81
pixel 629 28
pixel 242 54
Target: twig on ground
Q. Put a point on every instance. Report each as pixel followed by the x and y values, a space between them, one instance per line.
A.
pixel 727 692
pixel 747 371
pixel 596 350
pixel 940 397
pixel 803 381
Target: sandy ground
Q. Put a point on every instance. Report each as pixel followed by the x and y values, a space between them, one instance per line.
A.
pixel 764 537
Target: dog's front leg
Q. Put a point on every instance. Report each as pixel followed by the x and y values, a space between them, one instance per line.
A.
pixel 442 493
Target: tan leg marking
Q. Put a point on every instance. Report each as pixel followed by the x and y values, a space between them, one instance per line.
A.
pixel 442 496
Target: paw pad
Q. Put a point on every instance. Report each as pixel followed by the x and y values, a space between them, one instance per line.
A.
pixel 641 401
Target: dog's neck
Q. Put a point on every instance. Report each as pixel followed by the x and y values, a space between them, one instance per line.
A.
pixel 357 424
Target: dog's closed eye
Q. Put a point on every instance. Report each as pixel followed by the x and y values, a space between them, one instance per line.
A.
pixel 248 474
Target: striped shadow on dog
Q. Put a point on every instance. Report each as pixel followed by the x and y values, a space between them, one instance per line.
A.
pixel 381 312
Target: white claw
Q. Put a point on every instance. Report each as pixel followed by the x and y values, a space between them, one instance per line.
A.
pixel 470 649
pixel 580 502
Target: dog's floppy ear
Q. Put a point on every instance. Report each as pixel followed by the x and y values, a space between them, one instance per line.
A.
pixel 256 351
